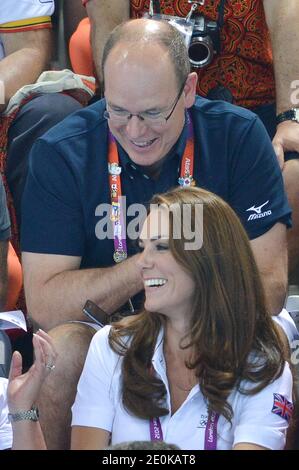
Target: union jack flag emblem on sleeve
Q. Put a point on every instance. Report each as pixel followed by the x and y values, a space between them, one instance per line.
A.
pixel 282 407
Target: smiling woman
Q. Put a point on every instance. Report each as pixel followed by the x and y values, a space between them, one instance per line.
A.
pixel 203 353
pixel 169 288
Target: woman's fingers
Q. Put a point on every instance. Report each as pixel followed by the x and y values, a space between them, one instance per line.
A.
pixel 38 350
pixel 15 366
pixel 48 350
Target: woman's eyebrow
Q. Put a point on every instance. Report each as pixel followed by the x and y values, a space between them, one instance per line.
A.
pixel 155 238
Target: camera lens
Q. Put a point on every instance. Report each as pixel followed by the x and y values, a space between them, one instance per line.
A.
pixel 200 52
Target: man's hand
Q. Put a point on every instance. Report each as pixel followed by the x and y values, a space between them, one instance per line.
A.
pixel 286 139
pixel 282 18
pixel 56 288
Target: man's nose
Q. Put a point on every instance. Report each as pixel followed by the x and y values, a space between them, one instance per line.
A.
pixel 135 127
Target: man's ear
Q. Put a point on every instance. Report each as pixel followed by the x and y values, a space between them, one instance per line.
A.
pixel 190 89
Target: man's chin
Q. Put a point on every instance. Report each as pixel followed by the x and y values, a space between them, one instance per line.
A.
pixel 145 159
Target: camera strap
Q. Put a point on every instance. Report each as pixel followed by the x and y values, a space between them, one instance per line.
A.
pixel 155 6
pixel 220 21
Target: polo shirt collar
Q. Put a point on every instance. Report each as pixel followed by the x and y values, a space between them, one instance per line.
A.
pixel 158 360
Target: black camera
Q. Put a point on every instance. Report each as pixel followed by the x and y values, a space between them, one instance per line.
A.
pixel 205 42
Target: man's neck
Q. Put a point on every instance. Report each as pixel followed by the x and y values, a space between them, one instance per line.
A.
pixel 153 171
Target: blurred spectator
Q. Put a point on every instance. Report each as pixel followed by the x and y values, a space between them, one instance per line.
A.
pixel 4 238
pixel 143 445
pixel 73 13
pixel 80 50
pixel 25 52
pixel 10 271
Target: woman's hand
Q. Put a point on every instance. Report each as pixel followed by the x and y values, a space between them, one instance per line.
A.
pixel 23 389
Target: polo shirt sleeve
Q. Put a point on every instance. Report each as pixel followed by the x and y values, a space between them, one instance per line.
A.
pixel 5 426
pixel 4 217
pixel 262 419
pixel 52 214
pixel 95 400
pixel 256 189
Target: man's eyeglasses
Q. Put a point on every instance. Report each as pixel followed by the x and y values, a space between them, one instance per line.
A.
pixel 152 119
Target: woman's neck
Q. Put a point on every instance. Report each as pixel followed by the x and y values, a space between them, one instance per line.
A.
pixel 181 379
pixel 175 337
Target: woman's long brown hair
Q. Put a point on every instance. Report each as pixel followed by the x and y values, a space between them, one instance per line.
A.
pixel 232 336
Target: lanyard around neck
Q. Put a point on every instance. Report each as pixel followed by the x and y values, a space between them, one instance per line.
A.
pixel 210 442
pixel 117 214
